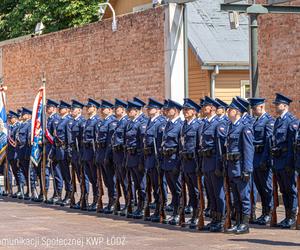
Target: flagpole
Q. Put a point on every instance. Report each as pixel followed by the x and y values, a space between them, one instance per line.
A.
pixel 44 140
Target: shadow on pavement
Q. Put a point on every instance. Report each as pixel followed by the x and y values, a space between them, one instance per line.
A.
pixel 268 242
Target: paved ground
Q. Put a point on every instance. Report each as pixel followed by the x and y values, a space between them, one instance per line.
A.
pixel 26 225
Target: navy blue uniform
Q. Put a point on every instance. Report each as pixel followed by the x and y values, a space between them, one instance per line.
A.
pixel 240 154
pixel 12 150
pixel 262 171
pixel 23 137
pixel 62 153
pixel 88 155
pixel 104 131
pixel 118 146
pixel 212 147
pixel 76 148
pixel 135 157
pixel 52 121
pixel 189 154
pixel 283 157
pixel 171 160
pixel 154 129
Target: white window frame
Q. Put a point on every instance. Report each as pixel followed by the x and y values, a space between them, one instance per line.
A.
pixel 244 83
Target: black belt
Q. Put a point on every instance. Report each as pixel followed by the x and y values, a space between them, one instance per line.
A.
pixel 233 156
pixel 167 152
pixel 188 155
pixel 101 145
pixel 118 148
pixel 148 151
pixel 207 152
pixel 132 150
pixel 259 148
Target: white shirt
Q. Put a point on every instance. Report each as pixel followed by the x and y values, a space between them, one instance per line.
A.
pixel 210 118
pixel 236 121
pixel 153 118
pixel 189 122
pixel 174 120
pixel 283 114
pixel 137 117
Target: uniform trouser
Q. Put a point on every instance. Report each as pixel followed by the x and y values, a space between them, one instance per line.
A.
pixel 215 188
pixel 241 195
pixel 206 191
pixel 192 185
pixel 77 166
pixel 263 182
pixel 174 184
pixel 121 175
pixel 139 181
pixel 23 169
pixel 14 168
pixel 62 174
pixel 254 191
pixel 49 171
pixel 90 172
pixel 109 179
pixel 288 188
pixel 35 172
pixel 153 174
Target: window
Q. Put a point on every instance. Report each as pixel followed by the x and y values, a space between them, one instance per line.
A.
pixel 245 89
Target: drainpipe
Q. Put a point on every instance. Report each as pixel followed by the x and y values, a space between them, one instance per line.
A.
pixel 186 51
pixel 213 81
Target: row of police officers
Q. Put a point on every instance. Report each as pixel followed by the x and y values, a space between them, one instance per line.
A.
pixel 136 148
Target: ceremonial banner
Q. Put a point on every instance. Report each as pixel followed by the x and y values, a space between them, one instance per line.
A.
pixel 3 126
pixel 37 128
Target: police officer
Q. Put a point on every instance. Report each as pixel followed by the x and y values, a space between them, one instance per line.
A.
pixel 76 147
pixel 62 152
pixel 189 145
pixel 118 146
pixel 88 155
pixel 247 118
pixel 153 134
pixel 52 121
pixel 240 153
pixel 135 160
pixel 104 131
pixel 285 128
pixel 171 160
pixel 11 148
pixel 212 148
pixel 23 138
pixel 221 110
pixel 263 130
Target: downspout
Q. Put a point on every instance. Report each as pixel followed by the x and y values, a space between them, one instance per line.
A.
pixel 213 81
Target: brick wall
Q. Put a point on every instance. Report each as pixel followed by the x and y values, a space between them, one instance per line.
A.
pixel 90 61
pixel 279 56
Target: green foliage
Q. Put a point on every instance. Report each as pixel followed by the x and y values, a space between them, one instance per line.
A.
pixel 19 17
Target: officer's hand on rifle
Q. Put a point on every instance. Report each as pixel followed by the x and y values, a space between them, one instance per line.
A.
pixel 246 176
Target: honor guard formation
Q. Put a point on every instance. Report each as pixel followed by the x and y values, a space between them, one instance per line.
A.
pixel 213 163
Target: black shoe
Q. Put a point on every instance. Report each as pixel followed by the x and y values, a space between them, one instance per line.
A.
pixel 123 211
pixel 234 228
pixel 212 223
pixel 291 221
pixel 193 223
pixel 57 200
pixel 266 219
pixel 282 223
pixel 27 196
pixel 92 207
pixel 76 205
pixel 243 228
pixel 40 198
pixel 174 220
pixel 155 217
pixel 218 226
pixel 15 195
pixel 170 208
pixel 67 200
pixel 52 200
pixel 188 210
pixel 138 214
pixel 109 209
pixel 21 193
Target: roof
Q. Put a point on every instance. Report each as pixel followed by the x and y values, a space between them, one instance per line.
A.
pixel 211 38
